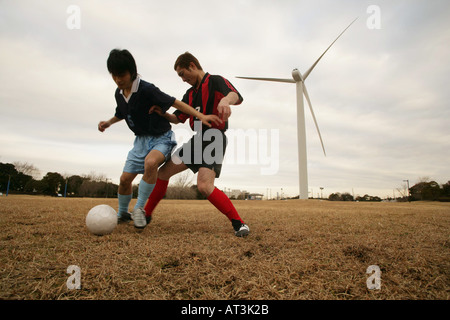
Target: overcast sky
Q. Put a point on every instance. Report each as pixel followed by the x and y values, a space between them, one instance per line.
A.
pixel 380 95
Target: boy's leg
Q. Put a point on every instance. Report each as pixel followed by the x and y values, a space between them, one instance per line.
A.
pixel 152 162
pixel 125 194
pixel 168 170
pixel 134 165
pixel 205 183
pixel 158 150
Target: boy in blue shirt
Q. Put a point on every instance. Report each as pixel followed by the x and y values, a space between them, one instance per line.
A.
pixel 154 139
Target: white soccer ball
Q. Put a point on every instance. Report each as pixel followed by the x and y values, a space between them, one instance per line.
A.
pixel 101 220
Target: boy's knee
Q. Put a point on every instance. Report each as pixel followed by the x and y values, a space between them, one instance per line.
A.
pixel 125 182
pixel 151 166
pixel 205 188
pixel 126 179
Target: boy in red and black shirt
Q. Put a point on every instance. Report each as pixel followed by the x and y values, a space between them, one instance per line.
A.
pixel 204 152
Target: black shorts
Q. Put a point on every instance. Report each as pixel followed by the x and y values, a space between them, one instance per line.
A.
pixel 206 149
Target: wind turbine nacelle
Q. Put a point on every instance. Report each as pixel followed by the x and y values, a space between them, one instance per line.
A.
pixel 297 75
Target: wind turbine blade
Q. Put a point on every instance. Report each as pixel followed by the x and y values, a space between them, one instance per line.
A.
pixel 314 117
pixel 269 79
pixel 315 63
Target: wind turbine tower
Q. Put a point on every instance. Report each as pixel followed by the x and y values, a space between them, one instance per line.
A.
pixel 299 81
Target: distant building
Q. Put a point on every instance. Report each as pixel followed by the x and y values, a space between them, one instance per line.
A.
pixel 235 194
pixel 255 196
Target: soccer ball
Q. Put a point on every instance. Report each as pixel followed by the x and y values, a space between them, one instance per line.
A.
pixel 101 220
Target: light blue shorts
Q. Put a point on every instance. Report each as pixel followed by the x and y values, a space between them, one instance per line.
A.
pixel 164 143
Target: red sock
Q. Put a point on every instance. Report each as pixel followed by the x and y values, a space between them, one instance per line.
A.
pixel 224 205
pixel 157 194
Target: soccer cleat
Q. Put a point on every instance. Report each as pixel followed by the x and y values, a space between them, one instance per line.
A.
pixel 139 218
pixel 240 229
pixel 124 217
pixel 243 231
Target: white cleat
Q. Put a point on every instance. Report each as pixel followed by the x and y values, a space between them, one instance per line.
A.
pixel 243 231
pixel 139 219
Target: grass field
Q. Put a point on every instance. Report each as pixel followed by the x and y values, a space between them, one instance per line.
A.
pixel 296 250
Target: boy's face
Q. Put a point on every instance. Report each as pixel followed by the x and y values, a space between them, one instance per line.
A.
pixel 189 75
pixel 123 80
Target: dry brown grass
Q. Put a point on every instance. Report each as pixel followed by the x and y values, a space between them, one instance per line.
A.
pixel 297 250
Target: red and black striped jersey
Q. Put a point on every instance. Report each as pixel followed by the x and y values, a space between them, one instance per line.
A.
pixel 206 98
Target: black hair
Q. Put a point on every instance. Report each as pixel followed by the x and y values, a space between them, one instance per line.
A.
pixel 121 61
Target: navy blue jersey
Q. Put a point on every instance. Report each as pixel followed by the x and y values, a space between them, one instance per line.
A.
pixel 135 111
pixel 206 98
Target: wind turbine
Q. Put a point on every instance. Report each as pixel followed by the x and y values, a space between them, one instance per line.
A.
pixel 299 80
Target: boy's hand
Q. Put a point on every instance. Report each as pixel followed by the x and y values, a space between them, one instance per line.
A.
pixel 209 119
pixel 224 109
pixel 102 125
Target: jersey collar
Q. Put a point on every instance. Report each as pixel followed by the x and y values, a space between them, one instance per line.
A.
pixel 201 82
pixel 134 88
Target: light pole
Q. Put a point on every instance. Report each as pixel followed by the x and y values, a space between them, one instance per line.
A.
pixel 7 188
pixel 65 188
pixel 107 185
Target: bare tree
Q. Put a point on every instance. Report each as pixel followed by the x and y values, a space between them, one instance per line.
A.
pixel 181 188
pixel 93 176
pixel 27 168
pixel 402 190
pixel 183 180
pixel 423 179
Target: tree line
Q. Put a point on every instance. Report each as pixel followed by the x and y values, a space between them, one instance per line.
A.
pixel 21 178
pixel 421 191
pixel 430 190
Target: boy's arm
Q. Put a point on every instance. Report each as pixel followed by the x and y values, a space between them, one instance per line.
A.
pixel 224 105
pixel 168 116
pixel 171 118
pixel 103 125
pixel 206 119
